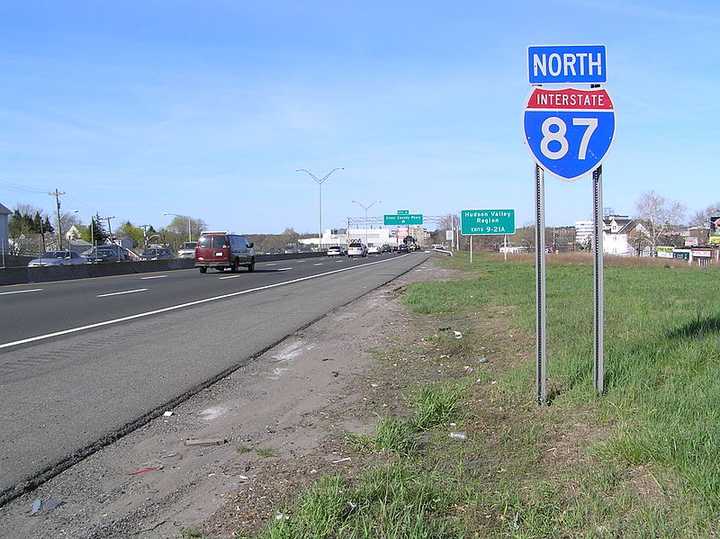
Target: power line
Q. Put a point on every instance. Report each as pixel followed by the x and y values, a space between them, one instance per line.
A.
pixel 22 188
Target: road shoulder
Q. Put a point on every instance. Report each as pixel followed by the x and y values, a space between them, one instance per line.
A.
pixel 280 422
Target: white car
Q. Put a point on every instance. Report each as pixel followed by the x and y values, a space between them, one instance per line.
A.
pixel 187 250
pixel 57 258
pixel 335 251
pixel 356 249
pixel 373 249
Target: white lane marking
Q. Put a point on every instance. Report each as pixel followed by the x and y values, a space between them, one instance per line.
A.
pixel 228 277
pixel 318 264
pixel 21 291
pixel 284 269
pixel 188 304
pixel 121 293
pixel 152 277
pixel 271 264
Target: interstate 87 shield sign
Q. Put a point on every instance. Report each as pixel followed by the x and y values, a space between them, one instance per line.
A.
pixel 569 130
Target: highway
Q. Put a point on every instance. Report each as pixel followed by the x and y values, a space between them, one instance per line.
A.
pixel 83 361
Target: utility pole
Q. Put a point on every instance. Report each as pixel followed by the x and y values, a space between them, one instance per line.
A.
pixel 57 194
pixel 42 233
pixel 320 181
pixel 145 227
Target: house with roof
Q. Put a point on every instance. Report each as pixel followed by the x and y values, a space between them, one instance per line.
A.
pixel 4 217
pixel 617 230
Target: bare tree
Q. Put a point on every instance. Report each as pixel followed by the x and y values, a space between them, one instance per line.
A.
pixel 702 217
pixel 659 216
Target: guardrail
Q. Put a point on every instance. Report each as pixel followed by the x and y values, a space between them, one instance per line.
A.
pixel 85 271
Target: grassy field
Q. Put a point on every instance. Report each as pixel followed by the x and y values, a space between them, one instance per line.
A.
pixel 641 461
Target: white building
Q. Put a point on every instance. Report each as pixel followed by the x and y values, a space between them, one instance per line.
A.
pixel 371 236
pixel 616 235
pixel 583 232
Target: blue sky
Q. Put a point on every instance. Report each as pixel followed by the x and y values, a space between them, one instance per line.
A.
pixel 208 107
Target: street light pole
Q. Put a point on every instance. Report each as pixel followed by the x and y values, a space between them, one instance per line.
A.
pixel 366 208
pixel 320 181
pixel 189 223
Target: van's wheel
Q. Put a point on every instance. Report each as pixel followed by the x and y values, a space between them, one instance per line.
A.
pixel 234 266
pixel 251 267
pixel 203 270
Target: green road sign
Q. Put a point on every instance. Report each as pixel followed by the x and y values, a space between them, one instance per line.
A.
pixel 404 219
pixel 403 212
pixel 487 222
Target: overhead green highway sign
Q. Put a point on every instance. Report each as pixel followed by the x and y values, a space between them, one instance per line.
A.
pixel 487 222
pixel 403 219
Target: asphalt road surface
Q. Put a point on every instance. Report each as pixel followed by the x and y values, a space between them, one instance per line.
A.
pixel 81 360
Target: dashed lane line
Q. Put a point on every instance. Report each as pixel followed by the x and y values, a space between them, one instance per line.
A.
pixel 21 291
pixel 121 293
pixel 188 304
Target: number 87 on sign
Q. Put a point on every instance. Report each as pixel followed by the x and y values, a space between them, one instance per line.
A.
pixel 569 131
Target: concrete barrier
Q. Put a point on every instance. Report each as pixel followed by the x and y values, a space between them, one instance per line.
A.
pixel 84 271
pixel 13 261
pixel 13 276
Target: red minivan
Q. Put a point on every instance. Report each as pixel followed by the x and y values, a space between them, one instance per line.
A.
pixel 221 250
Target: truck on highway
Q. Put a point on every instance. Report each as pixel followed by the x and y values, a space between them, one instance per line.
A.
pixel 221 250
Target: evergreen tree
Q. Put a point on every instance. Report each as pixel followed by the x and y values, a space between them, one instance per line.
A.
pixel 29 223
pixel 100 235
pixel 37 223
pixel 47 227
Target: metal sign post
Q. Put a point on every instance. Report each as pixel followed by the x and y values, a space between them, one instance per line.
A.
pixel 471 242
pixel 541 355
pixel 568 131
pixel 599 368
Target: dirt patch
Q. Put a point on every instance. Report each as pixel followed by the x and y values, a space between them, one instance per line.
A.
pixel 645 484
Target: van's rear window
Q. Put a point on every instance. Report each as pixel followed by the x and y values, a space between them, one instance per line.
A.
pixel 214 242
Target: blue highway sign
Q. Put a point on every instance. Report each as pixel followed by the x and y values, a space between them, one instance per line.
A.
pixel 562 64
pixel 569 131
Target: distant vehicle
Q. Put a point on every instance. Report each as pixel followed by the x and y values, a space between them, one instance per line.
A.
pixel 106 254
pixel 386 248
pixel 335 250
pixel 356 248
pixel 403 248
pixel 187 250
pixel 221 250
pixel 57 258
pixel 157 253
pixel 373 249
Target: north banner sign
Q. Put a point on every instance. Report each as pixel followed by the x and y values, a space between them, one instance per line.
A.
pixel 403 219
pixel 569 130
pixel 487 222
pixel 567 64
pixel 403 212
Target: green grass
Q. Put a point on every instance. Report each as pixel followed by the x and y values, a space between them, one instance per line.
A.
pixel 392 501
pixel 436 404
pixel 266 452
pixel 662 353
pixel 432 405
pixel 648 463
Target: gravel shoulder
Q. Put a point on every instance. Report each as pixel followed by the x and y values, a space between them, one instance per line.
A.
pixel 279 422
